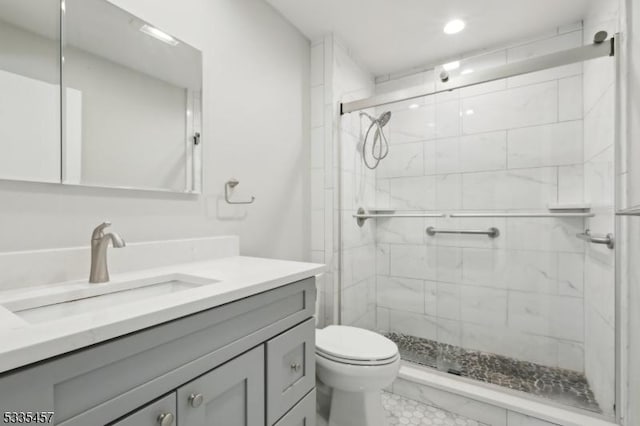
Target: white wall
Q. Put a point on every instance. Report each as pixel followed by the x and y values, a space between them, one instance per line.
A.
pixel 256 103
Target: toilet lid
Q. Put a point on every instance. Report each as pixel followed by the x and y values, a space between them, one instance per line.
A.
pixel 351 343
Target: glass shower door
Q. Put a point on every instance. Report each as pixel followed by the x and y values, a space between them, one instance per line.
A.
pixel 486 256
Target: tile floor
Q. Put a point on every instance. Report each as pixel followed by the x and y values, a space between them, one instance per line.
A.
pixel 404 411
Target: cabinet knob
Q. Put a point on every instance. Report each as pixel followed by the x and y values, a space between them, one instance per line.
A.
pixel 295 366
pixel 195 400
pixel 165 419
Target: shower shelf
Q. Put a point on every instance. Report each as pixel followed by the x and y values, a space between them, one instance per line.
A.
pixel 581 207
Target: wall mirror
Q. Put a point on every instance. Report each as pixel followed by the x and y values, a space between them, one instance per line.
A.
pixel 30 90
pixel 95 96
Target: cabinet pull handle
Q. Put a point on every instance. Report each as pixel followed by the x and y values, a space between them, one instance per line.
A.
pixel 295 366
pixel 195 400
pixel 165 419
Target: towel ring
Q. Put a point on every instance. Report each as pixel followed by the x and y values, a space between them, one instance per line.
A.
pixel 232 183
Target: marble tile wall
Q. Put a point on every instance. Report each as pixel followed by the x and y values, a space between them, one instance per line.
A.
pixel 357 188
pixel 318 183
pixel 630 226
pixel 600 134
pixel 513 144
pixel 339 182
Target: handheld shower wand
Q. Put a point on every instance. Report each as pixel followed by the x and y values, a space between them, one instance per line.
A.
pixel 380 146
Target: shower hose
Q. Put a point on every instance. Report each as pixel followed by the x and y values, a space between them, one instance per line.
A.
pixel 380 145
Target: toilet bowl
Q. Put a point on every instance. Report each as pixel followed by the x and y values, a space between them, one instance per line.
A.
pixel 356 364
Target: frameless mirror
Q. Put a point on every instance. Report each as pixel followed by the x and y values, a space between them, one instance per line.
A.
pixel 131 102
pixel 30 90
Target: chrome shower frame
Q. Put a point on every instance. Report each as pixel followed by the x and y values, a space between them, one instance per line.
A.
pixel 599 48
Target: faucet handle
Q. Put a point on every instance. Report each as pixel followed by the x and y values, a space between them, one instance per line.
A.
pixel 97 233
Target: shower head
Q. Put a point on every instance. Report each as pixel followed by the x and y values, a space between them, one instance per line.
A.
pixel 384 118
pixel 380 121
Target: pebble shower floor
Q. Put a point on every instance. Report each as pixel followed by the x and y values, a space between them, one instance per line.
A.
pixel 564 386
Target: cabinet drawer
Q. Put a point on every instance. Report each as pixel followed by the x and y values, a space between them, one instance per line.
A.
pixel 152 414
pixel 291 371
pixel 303 414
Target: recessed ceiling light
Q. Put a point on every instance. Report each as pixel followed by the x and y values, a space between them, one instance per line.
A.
pixel 157 34
pixel 414 106
pixel 452 66
pixel 454 26
pixel 466 71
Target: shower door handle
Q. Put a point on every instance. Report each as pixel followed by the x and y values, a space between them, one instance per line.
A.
pixel 597 238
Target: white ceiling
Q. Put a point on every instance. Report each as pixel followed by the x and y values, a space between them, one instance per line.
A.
pixel 395 35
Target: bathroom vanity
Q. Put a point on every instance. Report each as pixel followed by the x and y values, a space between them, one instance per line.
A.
pixel 237 350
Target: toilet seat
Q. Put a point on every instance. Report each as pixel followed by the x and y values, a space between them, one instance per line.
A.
pixel 372 363
pixel 355 346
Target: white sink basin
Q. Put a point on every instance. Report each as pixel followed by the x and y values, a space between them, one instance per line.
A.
pixel 84 298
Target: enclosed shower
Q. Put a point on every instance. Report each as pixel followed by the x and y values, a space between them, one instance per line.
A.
pixel 474 223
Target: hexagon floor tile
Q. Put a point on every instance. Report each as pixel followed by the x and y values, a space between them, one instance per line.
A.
pixel 404 411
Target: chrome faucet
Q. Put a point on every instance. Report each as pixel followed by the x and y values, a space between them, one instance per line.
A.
pixel 99 243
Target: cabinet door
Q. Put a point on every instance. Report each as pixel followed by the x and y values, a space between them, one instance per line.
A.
pixel 161 412
pixel 230 395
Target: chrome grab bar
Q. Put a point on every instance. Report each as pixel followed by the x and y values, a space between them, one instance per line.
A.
pixel 491 232
pixel 522 214
pixel 632 211
pixel 597 238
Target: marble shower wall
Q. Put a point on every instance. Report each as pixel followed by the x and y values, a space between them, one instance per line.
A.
pixel 339 181
pixel 600 133
pixel 629 175
pixel 514 144
pixel 357 187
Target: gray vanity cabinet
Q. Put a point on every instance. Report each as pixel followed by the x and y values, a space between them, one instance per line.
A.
pixel 230 395
pixel 249 362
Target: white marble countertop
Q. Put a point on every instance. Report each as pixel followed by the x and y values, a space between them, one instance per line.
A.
pixel 23 343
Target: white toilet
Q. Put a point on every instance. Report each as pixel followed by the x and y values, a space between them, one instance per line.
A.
pixel 356 364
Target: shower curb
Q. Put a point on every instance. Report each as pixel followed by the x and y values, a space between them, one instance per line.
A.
pixel 505 403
